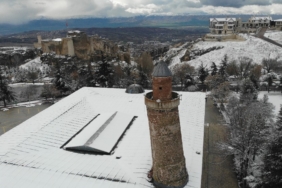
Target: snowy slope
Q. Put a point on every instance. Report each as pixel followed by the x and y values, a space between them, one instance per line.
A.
pixel 253 48
pixel 34 64
pixel 175 54
pixel 274 35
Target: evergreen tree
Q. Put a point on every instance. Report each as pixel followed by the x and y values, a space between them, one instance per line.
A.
pixel 144 81
pixel 279 120
pixel 272 175
pixel 280 85
pixel 203 73
pixel 214 69
pixel 6 93
pixel 248 91
pixel 59 82
pixel 104 74
pixel 90 78
pixel 269 82
pixel 189 81
pixel 255 81
pixel 223 65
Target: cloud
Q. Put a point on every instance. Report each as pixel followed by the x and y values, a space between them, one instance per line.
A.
pixel 235 3
pixel 19 11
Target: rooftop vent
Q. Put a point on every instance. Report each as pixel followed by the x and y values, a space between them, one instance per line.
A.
pixel 102 134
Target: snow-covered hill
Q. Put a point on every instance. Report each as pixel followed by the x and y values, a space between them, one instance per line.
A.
pixel 254 48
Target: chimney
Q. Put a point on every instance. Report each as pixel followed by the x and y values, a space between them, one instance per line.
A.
pixel 169 167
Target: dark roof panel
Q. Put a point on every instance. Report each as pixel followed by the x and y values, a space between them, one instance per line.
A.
pixel 161 70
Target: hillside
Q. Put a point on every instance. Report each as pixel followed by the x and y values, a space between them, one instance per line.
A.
pixel 207 52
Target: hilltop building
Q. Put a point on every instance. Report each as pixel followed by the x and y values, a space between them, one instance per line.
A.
pixel 99 137
pixel 228 28
pixel 222 25
pixel 253 24
pixel 278 24
pixel 77 43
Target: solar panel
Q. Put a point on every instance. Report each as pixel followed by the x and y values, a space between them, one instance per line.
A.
pixel 102 134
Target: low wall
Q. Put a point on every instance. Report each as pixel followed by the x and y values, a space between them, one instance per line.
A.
pixel 231 37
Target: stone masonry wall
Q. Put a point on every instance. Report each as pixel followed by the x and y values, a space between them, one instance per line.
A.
pixel 169 169
pixel 162 88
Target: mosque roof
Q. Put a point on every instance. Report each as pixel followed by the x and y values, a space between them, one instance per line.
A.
pixel 38 152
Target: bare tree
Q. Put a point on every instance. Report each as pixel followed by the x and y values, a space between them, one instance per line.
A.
pixel 270 64
pixel 245 65
pixel 180 71
pixel 232 68
pixel 214 81
pixel 221 92
pixel 32 75
pixel 50 91
pixel 247 133
pixel 6 92
pixel 28 93
pixel 145 61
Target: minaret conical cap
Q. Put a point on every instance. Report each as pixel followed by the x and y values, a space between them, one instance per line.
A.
pixel 161 70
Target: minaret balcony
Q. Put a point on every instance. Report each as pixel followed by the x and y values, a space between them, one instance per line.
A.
pixel 162 105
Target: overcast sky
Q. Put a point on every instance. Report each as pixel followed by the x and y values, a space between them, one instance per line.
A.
pixel 21 11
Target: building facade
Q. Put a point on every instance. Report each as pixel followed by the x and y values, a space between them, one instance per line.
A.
pixel 228 26
pixel 222 26
pixel 78 44
pixel 278 24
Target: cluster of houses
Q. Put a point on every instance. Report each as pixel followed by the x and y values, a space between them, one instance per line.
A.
pixel 225 26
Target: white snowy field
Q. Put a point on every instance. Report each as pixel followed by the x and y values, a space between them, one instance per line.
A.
pixel 253 48
pixel 274 35
pixel 34 64
pixel 274 97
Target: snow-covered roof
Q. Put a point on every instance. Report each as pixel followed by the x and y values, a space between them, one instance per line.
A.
pixel 74 31
pixel 57 39
pixel 222 19
pixel 279 20
pixel 261 18
pixel 32 153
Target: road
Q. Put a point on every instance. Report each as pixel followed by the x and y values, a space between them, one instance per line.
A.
pixel 261 36
pixel 217 168
pixel 13 117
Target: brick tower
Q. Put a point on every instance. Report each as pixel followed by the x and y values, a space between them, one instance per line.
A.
pixel 169 168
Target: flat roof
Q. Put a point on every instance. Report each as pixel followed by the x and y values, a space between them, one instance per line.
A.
pixel 32 152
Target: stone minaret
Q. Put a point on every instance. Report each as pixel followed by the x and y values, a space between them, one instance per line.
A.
pixel 169 168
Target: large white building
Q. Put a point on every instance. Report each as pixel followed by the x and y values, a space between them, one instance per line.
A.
pixel 278 24
pixel 95 137
pixel 228 26
pixel 253 23
pixel 222 25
